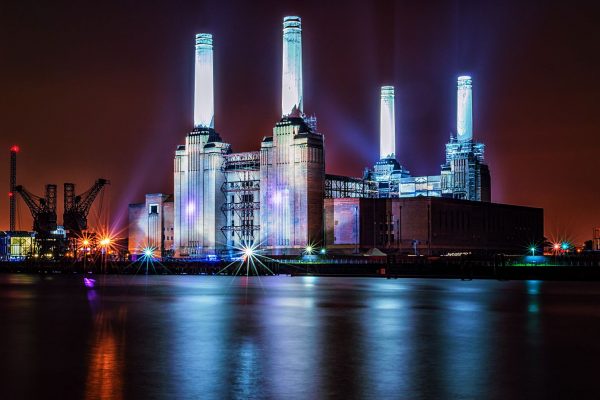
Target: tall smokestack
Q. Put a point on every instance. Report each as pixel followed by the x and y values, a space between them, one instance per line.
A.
pixel 291 90
pixel 204 104
pixel 13 182
pixel 387 124
pixel 464 109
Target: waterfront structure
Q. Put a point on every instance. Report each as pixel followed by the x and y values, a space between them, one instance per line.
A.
pixel 221 197
pixel 17 245
pixel 151 227
pixel 464 175
pixel 198 174
pixel 430 226
pixel 292 162
pixel 275 197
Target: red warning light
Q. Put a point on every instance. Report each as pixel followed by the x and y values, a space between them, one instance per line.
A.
pixel 14 149
pixel 10 194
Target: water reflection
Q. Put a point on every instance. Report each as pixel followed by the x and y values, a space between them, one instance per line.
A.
pixel 533 291
pixel 296 338
pixel 106 351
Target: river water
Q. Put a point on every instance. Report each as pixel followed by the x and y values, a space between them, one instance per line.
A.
pixel 216 337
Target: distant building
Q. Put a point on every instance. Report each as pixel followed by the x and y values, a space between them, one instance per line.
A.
pixel 17 245
pixel 464 175
pixel 596 239
pixel 151 227
pixel 430 226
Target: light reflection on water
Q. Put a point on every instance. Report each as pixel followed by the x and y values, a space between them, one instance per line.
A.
pixel 106 356
pixel 306 338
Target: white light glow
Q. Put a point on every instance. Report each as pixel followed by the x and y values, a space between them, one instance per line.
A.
pixel 291 91
pixel 191 207
pixel 204 109
pixel 464 109
pixel 387 126
pixel 148 252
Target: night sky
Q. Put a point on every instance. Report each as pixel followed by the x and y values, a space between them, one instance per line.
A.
pixel 105 89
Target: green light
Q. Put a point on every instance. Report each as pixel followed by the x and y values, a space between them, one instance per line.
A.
pixel 532 249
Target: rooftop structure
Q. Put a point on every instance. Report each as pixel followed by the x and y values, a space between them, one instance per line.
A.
pixel 387 144
pixel 464 109
pixel 291 76
pixel 204 103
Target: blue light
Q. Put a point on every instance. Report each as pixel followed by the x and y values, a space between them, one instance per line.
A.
pixel 148 252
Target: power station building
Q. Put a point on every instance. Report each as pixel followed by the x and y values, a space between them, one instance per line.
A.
pixel 430 226
pixel 279 196
pixel 464 175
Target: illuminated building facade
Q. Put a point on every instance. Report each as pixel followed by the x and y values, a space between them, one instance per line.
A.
pixel 387 122
pixel 221 197
pixel 17 245
pixel 151 226
pixel 198 174
pixel 464 175
pixel 293 176
pixel 291 75
pixel 276 196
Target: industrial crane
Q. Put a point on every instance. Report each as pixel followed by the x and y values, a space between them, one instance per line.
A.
pixel 43 209
pixel 77 207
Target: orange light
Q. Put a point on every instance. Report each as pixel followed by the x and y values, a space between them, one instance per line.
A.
pixel 105 242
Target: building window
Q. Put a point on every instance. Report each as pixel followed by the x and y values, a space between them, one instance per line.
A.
pixel 153 209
